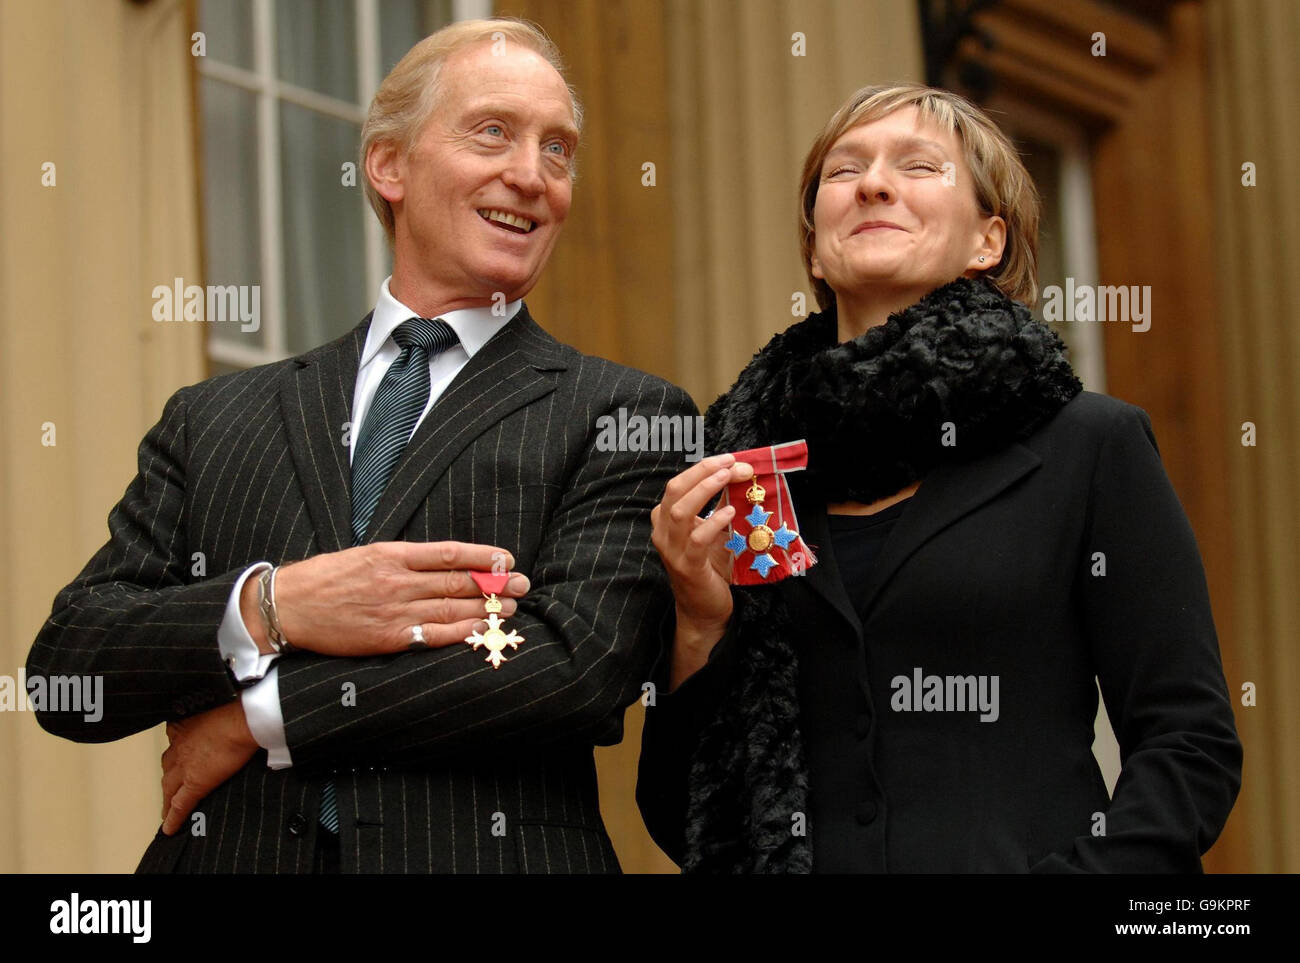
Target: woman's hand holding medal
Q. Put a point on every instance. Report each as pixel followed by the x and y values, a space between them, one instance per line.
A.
pixel 696 558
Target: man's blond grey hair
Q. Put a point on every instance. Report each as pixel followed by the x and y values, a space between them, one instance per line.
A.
pixel 407 97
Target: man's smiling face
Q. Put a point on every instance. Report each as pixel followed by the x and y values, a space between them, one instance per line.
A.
pixel 481 196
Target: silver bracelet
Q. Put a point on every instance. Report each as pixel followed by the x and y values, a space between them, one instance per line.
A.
pixel 271 617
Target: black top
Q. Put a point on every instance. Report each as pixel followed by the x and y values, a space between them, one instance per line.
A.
pixel 856 541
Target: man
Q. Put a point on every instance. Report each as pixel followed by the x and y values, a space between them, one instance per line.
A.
pixel 446 433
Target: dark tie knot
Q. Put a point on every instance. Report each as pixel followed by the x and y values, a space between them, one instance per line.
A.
pixel 434 335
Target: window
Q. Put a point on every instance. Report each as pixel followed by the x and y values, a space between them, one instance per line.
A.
pixel 1056 154
pixel 283 90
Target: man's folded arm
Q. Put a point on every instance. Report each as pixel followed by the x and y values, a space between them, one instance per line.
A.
pixel 132 617
pixel 590 623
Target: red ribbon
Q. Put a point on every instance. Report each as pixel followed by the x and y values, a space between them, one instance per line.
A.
pixel 491 583
pixel 778 561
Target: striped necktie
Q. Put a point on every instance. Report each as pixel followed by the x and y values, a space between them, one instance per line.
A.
pixel 397 406
pixel 398 403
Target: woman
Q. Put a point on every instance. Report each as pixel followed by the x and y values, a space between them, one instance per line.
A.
pixel 990 539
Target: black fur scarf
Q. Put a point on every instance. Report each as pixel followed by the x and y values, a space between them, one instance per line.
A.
pixel 964 371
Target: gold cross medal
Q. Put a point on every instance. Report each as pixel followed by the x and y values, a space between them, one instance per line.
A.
pixel 494 640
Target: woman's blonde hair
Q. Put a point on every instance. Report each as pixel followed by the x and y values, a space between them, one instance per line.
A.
pixel 409 93
pixel 1002 185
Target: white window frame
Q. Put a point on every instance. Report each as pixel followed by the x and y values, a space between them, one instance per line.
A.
pixel 270 90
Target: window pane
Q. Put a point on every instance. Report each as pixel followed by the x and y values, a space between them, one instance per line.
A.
pixel 1043 161
pixel 227 26
pixel 324 253
pixel 232 243
pixel 403 23
pixel 315 42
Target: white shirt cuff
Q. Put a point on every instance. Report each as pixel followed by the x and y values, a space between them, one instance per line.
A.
pixel 238 650
pixel 265 719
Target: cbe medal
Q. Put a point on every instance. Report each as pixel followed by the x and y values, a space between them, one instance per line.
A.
pixel 494 640
pixel 771 548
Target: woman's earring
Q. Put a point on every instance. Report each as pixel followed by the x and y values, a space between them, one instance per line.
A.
pixel 981 259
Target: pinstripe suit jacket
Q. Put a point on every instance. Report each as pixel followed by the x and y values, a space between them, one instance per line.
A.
pixel 441 763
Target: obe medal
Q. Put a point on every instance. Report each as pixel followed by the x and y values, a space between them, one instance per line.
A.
pixel 493 639
pixel 772 548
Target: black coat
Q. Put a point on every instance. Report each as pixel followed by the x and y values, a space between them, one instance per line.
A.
pixel 440 762
pixel 989 571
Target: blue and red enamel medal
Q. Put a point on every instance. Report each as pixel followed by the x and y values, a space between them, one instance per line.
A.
pixel 765 543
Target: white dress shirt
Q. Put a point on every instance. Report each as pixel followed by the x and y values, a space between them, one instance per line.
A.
pixel 473 326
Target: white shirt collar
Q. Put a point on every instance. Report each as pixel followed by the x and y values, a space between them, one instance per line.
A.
pixel 474 326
